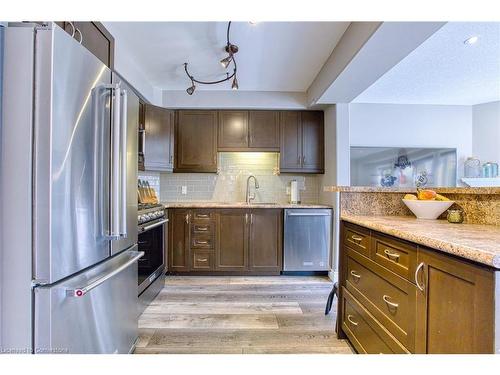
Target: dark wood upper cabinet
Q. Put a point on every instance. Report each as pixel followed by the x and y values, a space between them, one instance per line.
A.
pixel 196 141
pixel 264 130
pixel 455 311
pixel 231 253
pixel 248 131
pixel 158 138
pixel 291 141
pixel 265 246
pixel 302 142
pixel 95 37
pixel 179 237
pixel 233 130
pixel 312 141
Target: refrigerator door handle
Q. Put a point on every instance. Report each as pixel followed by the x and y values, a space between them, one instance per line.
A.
pixel 123 172
pixel 81 291
pixel 99 160
pixel 115 203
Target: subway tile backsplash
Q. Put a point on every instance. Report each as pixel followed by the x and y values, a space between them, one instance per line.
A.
pixel 229 184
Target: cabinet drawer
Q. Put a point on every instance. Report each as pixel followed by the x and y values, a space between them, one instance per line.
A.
pixel 206 229
pixel 363 330
pixel 202 242
pixel 202 260
pixel 392 303
pixel 203 215
pixel 398 256
pixel 357 238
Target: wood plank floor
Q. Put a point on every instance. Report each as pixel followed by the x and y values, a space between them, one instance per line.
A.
pixel 240 315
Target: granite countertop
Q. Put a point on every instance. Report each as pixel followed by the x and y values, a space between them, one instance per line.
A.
pixel 442 190
pixel 480 243
pixel 239 205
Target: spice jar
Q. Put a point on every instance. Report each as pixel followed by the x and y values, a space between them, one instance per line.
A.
pixel 455 216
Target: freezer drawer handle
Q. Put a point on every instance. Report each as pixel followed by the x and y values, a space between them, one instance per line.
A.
pixel 80 292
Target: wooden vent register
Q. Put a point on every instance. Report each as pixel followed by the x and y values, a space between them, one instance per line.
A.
pixel 399 297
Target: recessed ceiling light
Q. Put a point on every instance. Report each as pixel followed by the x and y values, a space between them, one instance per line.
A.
pixel 471 40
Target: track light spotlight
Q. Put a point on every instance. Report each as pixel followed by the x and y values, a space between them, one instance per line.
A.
pixel 191 89
pixel 226 61
pixel 234 86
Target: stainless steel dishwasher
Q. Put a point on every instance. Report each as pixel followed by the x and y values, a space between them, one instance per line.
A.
pixel 307 239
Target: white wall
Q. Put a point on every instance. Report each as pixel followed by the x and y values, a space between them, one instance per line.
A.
pixel 409 125
pixel 127 67
pixel 234 99
pixel 486 131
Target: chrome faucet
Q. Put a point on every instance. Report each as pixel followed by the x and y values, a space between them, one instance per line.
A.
pixel 251 197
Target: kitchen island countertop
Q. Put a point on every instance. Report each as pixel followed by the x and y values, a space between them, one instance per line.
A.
pixel 476 242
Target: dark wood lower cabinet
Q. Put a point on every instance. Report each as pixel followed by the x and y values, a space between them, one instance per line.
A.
pixel 233 241
pixel 265 240
pixel 178 260
pixel 444 305
pixel 231 251
pixel 456 307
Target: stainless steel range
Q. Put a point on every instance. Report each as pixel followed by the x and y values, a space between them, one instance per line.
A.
pixel 152 220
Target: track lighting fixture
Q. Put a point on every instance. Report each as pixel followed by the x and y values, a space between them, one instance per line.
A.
pixel 231 49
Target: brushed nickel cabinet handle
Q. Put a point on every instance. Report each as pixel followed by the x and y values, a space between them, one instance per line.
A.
pixel 392 304
pixel 420 267
pixel 391 255
pixel 201 229
pixel 356 238
pixel 187 218
pixel 349 318
pixel 356 275
pixel 199 242
pixel 202 216
pixel 202 259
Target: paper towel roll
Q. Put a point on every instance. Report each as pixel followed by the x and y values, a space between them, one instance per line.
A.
pixel 294 192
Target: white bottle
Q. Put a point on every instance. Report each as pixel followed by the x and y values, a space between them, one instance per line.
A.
pixel 294 192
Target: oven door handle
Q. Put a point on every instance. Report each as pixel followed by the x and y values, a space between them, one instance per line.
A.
pixel 148 227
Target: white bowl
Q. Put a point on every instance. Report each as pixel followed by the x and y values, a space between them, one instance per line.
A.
pixel 430 210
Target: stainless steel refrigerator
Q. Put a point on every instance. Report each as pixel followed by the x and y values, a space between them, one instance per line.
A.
pixel 68 178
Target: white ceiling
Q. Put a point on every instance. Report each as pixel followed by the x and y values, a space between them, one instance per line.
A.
pixel 273 56
pixel 444 70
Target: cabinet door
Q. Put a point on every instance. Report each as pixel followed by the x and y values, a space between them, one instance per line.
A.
pixel 95 37
pixel 290 142
pixel 196 141
pixel 265 247
pixel 171 148
pixel 263 130
pixel 158 135
pixel 455 311
pixel 178 260
pixel 232 240
pixel 233 130
pixel 312 141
